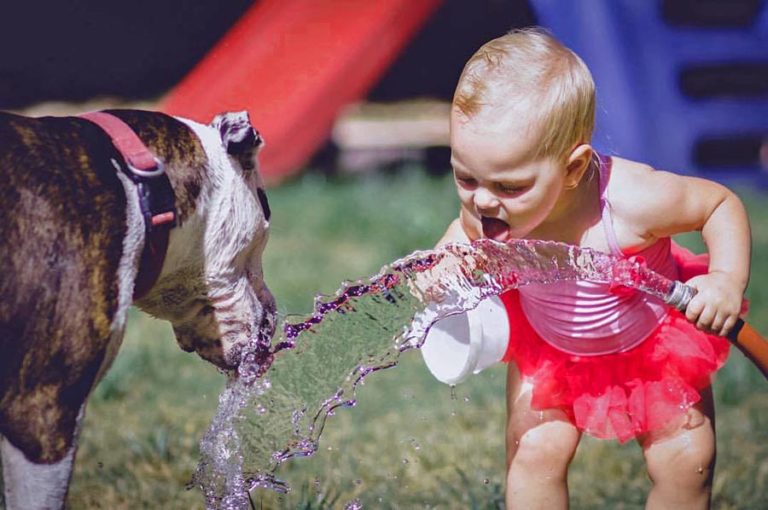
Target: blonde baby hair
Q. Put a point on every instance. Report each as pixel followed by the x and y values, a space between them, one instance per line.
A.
pixel 529 68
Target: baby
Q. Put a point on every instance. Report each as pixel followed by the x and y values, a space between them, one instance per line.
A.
pixel 585 357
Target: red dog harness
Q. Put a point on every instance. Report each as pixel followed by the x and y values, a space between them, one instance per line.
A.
pixel 156 197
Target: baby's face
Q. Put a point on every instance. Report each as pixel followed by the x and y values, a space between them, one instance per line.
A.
pixel 505 191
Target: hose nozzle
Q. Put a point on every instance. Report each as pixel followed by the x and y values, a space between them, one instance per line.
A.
pixel 680 295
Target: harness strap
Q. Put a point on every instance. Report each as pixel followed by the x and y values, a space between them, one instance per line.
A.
pixel 153 187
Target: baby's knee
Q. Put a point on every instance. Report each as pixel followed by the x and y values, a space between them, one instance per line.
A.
pixel 549 447
pixel 687 459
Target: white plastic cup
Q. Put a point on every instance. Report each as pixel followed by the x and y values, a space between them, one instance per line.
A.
pixel 467 343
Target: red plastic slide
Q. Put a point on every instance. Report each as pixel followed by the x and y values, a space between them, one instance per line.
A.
pixel 293 64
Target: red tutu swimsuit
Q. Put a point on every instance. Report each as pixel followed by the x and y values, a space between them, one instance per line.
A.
pixel 618 362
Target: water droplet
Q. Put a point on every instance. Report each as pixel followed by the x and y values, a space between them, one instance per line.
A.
pixel 355 504
pixel 405 461
pixel 486 481
pixel 700 470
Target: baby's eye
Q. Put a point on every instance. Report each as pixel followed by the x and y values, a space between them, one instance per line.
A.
pixel 509 188
pixel 466 182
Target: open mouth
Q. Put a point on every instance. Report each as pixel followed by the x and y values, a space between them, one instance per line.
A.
pixel 494 228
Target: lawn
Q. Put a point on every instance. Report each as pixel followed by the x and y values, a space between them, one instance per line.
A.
pixel 410 442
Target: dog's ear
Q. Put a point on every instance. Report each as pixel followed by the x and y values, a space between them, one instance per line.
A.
pixel 239 137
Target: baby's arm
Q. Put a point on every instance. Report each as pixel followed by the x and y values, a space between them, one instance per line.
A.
pixel 669 204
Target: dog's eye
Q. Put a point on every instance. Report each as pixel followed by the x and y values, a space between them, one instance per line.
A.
pixel 206 310
pixel 264 202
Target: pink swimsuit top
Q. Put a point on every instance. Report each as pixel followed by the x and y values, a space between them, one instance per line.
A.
pixel 587 318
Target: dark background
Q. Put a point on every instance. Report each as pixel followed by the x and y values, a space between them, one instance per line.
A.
pixel 79 50
pixel 76 50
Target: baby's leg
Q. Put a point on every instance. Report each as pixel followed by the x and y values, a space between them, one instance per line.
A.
pixel 681 461
pixel 540 446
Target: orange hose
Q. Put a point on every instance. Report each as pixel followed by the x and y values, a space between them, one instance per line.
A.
pixel 754 346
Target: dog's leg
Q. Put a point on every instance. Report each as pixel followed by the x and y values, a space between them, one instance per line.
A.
pixel 34 486
pixel 30 486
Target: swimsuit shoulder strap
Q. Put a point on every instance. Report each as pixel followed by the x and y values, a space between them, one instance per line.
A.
pixel 604 175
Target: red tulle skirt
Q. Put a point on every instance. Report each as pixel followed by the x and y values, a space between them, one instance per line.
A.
pixel 621 395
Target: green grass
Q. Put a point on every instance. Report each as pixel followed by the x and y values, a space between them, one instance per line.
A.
pixel 409 443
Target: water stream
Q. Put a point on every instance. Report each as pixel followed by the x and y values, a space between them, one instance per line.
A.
pixel 286 387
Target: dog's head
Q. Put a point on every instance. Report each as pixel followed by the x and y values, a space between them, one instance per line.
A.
pixel 212 288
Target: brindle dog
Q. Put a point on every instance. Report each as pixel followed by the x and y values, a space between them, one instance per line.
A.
pixel 71 241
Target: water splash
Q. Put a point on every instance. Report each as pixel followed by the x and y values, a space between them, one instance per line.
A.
pixel 278 405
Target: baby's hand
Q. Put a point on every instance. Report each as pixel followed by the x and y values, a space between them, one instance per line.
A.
pixel 717 303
